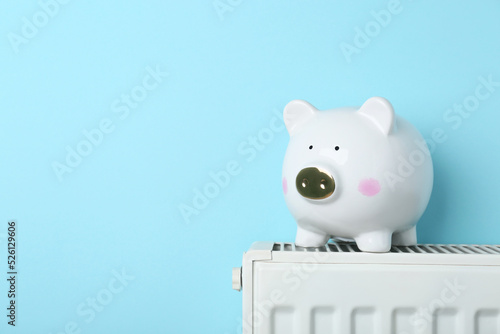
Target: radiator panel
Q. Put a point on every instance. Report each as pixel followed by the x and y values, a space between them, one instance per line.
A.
pixel 425 289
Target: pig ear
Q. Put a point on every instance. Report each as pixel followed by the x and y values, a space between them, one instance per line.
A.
pixel 380 112
pixel 297 113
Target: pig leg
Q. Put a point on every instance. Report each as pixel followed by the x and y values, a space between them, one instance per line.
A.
pixel 375 241
pixel 306 238
pixel 405 238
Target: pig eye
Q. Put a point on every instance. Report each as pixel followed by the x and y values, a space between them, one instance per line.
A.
pixel 337 148
pixel 311 147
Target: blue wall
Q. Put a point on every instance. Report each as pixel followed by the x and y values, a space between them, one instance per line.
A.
pixel 172 93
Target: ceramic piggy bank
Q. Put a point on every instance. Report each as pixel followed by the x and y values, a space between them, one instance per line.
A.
pixel 357 173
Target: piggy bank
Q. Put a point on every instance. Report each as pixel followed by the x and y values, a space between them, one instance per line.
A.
pixel 359 173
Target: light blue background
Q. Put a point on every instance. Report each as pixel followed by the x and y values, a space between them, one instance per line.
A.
pixel 227 78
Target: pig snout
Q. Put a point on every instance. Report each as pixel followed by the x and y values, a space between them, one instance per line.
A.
pixel 314 183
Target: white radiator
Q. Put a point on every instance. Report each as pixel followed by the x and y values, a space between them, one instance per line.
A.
pixel 451 289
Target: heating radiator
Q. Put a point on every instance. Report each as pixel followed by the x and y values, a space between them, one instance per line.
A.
pixel 451 289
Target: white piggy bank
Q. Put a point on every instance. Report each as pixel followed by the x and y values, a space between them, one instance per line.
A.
pixel 357 173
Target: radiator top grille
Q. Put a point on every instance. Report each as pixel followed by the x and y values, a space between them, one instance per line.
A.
pixel 350 247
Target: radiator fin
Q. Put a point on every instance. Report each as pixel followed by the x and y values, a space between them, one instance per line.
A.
pixel 351 247
pixel 322 320
pixel 363 320
pixel 403 320
pixel 283 320
pixel 445 321
pixel 487 322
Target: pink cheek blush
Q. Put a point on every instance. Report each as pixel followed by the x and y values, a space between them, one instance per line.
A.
pixel 285 186
pixel 369 187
